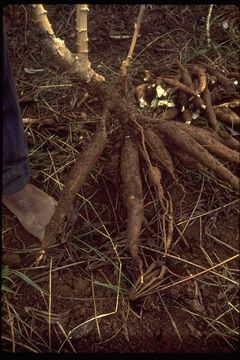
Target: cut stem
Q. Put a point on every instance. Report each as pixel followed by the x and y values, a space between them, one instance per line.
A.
pixel 126 62
pixel 80 67
pixel 81 28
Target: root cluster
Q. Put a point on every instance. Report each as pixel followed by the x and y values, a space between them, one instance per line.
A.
pixel 154 141
pixel 171 134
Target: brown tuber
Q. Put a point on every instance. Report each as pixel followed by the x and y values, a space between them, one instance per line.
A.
pixel 188 144
pixel 132 196
pixel 227 115
pixel 202 77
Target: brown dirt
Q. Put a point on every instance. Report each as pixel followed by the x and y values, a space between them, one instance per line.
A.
pixel 197 315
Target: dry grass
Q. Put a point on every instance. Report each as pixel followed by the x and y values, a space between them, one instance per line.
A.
pixel 94 246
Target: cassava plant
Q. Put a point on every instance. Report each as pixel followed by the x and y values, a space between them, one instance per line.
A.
pixel 147 141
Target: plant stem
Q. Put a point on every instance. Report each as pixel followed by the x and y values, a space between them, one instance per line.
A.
pixel 126 62
pixel 82 35
pixel 208 25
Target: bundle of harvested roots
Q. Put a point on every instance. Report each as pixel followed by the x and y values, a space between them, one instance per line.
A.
pixel 196 90
pixel 155 142
pixel 151 141
pixel 171 133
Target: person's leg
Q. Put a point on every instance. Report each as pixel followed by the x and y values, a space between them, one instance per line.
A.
pixel 32 206
pixel 15 155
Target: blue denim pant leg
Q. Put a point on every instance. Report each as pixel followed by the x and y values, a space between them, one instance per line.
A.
pixel 15 162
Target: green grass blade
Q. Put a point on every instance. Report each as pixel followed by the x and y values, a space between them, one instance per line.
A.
pixel 112 287
pixel 6 289
pixel 29 281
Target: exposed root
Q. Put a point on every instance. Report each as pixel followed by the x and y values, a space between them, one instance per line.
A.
pixel 221 78
pixel 187 116
pixel 182 99
pixel 187 80
pixel 168 217
pixel 211 144
pixel 202 77
pixel 167 114
pixel 231 104
pixel 76 178
pixel 227 140
pixel 159 151
pixel 209 110
pixel 153 278
pixel 193 146
pixel 155 176
pixel 227 115
pixel 186 76
pixel 154 172
pixel 132 196
pixel 194 149
pixel 178 85
pixel 188 161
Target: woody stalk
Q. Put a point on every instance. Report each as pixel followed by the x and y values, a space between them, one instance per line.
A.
pixel 75 64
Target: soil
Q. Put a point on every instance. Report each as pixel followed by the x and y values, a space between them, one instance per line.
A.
pixel 91 310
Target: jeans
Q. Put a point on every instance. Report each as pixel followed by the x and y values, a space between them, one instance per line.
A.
pixel 15 163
